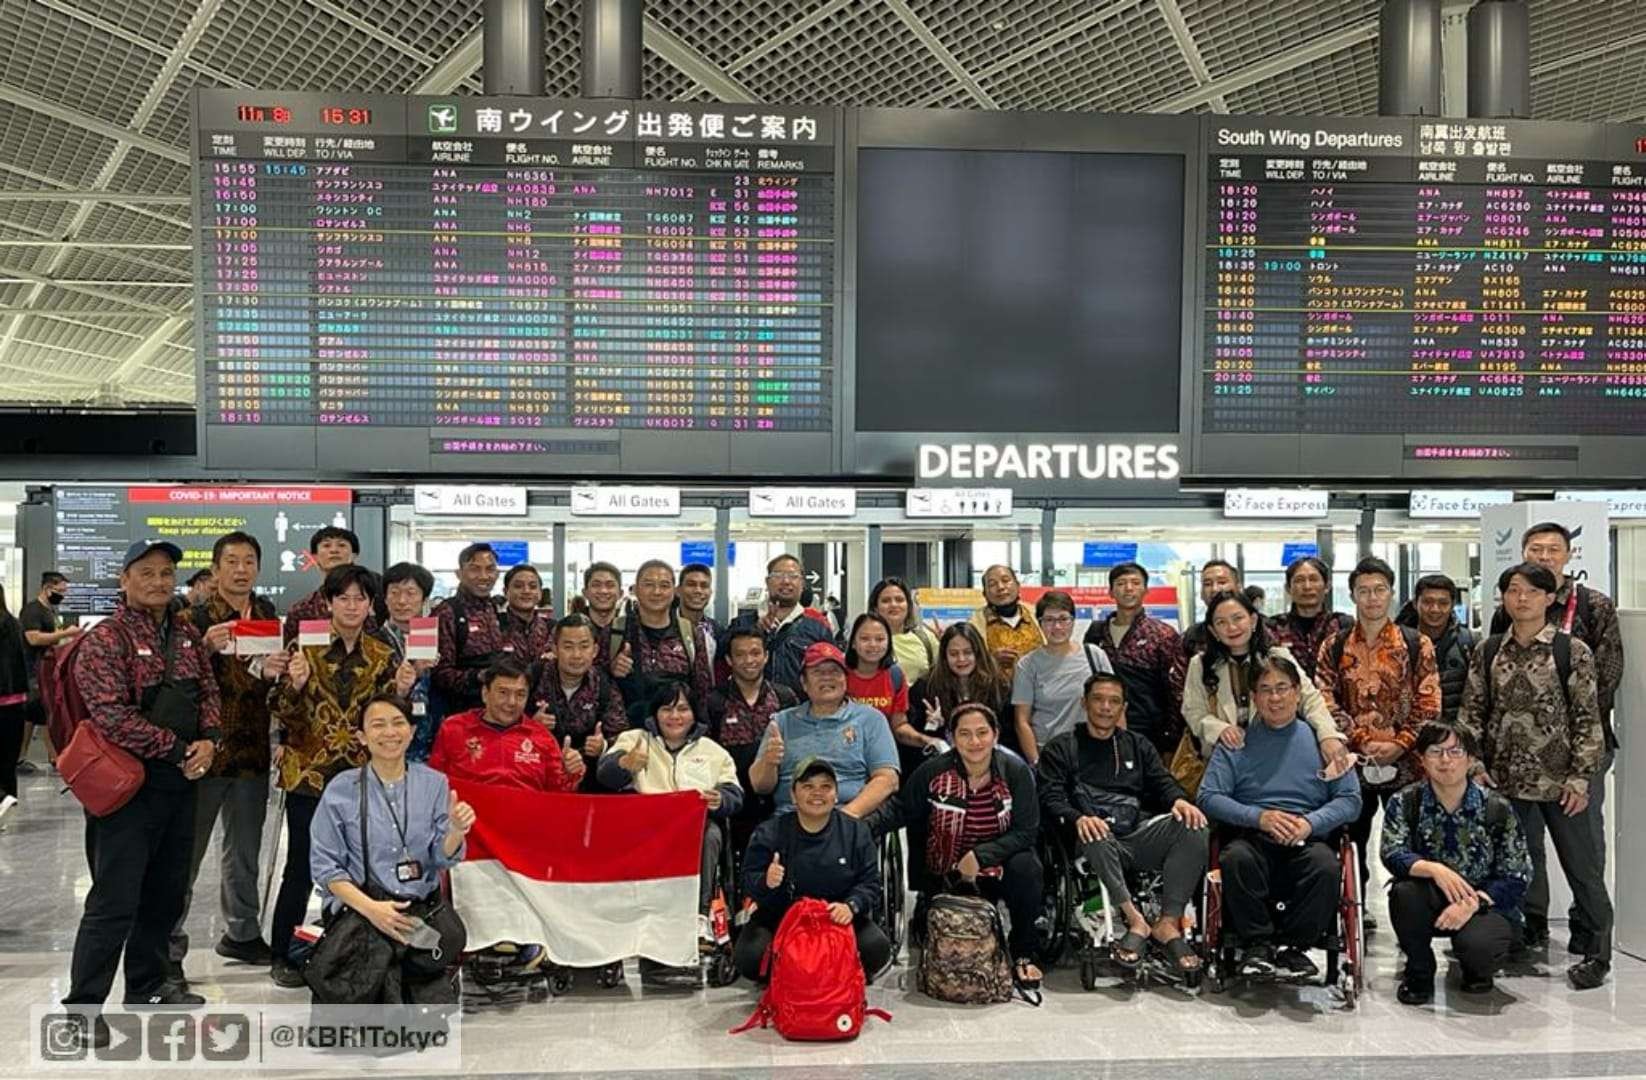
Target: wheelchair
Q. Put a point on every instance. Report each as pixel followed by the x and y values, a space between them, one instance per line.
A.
pixel 1344 948
pixel 891 916
pixel 1081 920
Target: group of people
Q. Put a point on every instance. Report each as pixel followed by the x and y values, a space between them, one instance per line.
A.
pixel 1283 732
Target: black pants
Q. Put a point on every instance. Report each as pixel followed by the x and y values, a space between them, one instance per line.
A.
pixel 1595 816
pixel 11 745
pixel 1360 830
pixel 140 872
pixel 1574 846
pixel 292 901
pixel 873 947
pixel 1021 886
pixel 1261 876
pixel 1480 945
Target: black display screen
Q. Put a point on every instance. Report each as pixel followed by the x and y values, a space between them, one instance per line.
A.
pixel 1009 291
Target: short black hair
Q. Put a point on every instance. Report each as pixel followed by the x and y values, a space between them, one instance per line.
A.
pixel 575 621
pixel 1429 582
pixel 333 532
pixel 1321 567
pixel 654 564
pixel 1371 564
pixel 505 667
pixel 1255 594
pixel 52 577
pixel 967 708
pixel 474 551
pixel 695 568
pixel 1538 577
pixel 409 571
pixel 743 630
pixel 228 540
pixel 339 578
pixel 602 568
pixel 771 567
pixel 1436 732
pixel 1137 568
pixel 522 568
pixel 667 692
pixel 195 578
pixel 1098 678
pixel 385 698
pixel 1225 563
pixel 1057 599
pixel 1546 527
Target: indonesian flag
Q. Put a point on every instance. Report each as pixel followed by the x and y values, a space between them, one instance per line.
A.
pixel 593 878
pixel 423 638
pixel 313 632
pixel 256 637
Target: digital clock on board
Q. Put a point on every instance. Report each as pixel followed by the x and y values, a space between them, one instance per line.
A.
pixel 262 114
pixel 345 115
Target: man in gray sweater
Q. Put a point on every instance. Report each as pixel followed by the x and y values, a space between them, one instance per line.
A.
pixel 1273 794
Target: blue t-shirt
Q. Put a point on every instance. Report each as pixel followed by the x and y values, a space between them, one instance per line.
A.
pixel 856 740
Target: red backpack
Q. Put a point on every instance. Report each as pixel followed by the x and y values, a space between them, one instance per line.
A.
pixel 816 992
pixel 60 694
pixel 103 776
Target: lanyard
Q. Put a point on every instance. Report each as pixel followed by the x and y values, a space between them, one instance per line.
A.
pixel 389 803
pixel 1571 609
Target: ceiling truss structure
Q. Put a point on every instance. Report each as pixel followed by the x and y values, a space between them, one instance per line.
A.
pixel 95 237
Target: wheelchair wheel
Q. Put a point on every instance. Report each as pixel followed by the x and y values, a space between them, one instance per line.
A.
pixel 1353 936
pixel 720 969
pixel 611 975
pixel 1057 907
pixel 560 981
pixel 1088 974
pixel 892 893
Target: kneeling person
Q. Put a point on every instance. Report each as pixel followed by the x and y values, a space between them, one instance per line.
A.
pixel 674 753
pixel 1271 792
pixel 1109 786
pixel 1460 864
pixel 818 851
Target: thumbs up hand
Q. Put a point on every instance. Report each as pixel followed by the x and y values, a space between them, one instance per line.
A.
pixel 623 662
pixel 773 754
pixel 572 760
pixel 774 872
pixel 595 744
pixel 462 815
pixel 635 760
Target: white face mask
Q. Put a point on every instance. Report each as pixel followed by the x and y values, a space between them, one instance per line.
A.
pixel 1378 774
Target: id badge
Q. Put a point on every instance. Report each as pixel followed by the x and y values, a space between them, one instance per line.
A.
pixel 420 708
pixel 409 870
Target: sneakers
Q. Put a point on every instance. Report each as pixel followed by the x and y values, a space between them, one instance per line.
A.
pixel 1415 991
pixel 169 996
pixel 256 951
pixel 1588 974
pixel 1295 964
pixel 1257 962
pixel 705 935
pixel 27 768
pixel 286 974
pixel 1536 935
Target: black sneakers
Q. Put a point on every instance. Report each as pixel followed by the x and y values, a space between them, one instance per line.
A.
pixel 1415 991
pixel 1588 974
pixel 169 996
pixel 1295 964
pixel 256 951
pixel 286 974
pixel 1257 962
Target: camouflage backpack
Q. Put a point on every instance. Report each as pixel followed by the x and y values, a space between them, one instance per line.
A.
pixel 965 959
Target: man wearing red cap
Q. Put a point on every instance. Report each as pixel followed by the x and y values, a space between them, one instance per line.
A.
pixel 854 739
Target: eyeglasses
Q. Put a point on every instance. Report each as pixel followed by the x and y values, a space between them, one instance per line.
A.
pixel 1273 691
pixel 1455 753
pixel 1057 620
pixel 1373 592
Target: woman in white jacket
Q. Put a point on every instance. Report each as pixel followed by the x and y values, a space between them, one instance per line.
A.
pixel 673 753
pixel 1217 696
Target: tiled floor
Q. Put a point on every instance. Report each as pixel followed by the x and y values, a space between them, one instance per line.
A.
pixel 1534 1026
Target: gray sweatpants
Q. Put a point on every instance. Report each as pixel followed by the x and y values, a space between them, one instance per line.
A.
pixel 242 801
pixel 1162 844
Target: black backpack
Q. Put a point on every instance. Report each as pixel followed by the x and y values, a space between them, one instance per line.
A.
pixel 1563 668
pixel 1411 808
pixel 1413 639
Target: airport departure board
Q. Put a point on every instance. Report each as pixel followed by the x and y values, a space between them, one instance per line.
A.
pixel 1422 297
pixel 515 284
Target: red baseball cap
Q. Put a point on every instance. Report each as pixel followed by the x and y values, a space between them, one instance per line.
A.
pixel 824 652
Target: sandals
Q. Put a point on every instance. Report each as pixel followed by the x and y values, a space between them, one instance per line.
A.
pixel 1177 951
pixel 1021 977
pixel 1132 942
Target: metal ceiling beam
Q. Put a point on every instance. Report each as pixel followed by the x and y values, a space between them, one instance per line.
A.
pixel 460 63
pixel 55 184
pixel 941 51
pixel 1307 53
pixel 94 245
pixel 83 290
pixel 146 350
pixel 94 124
pixel 117 31
pixel 134 198
pixel 788 34
pixel 1044 44
pixel 693 64
pixel 372 30
pixel 1189 47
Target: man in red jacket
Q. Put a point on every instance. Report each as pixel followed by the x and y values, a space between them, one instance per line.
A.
pixel 495 745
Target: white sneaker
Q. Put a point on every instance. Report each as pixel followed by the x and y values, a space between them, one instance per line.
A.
pixel 705 930
pixel 6 806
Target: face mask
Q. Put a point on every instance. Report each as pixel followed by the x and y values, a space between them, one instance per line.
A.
pixel 1006 611
pixel 54 598
pixel 424 936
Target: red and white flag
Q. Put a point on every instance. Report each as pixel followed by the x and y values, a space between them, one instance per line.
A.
pixel 311 632
pixel 423 638
pixel 592 878
pixel 256 637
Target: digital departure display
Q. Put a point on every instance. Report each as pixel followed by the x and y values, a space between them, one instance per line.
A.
pixel 599 283
pixel 1478 280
